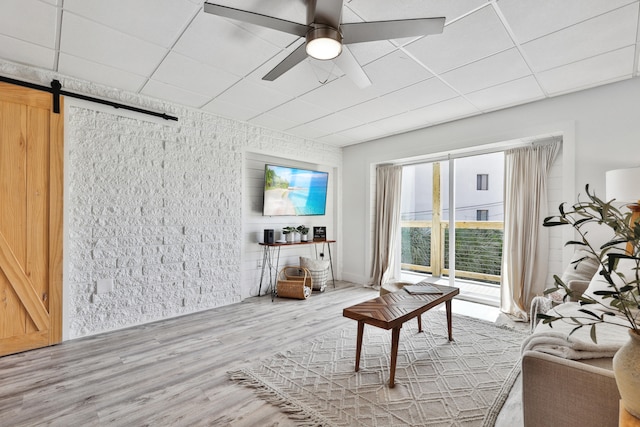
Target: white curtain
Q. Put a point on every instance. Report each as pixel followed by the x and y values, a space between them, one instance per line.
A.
pixel 386 235
pixel 526 241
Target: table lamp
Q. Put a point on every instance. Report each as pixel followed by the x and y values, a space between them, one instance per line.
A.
pixel 623 185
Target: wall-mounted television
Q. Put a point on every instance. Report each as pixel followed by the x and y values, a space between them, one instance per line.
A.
pixel 294 192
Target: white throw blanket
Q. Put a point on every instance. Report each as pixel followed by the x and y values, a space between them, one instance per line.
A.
pixel 556 341
pixel 557 344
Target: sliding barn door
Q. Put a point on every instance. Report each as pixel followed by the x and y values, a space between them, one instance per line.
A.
pixel 31 159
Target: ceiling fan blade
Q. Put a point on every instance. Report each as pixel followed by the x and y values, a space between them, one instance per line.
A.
pixel 257 19
pixel 359 32
pixel 328 12
pixel 287 63
pixel 350 66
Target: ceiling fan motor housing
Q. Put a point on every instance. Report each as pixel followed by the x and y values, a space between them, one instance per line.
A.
pixel 324 43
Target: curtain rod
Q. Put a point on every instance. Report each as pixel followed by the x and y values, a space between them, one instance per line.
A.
pixel 56 91
pixel 471 152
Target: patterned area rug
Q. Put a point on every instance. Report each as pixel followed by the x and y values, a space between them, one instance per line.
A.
pixel 438 383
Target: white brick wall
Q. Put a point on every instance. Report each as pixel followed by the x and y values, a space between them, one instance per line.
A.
pixel 155 206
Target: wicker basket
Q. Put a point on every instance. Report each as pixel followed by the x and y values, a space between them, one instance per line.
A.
pixel 292 285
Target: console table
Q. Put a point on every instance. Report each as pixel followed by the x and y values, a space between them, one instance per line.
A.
pixel 271 253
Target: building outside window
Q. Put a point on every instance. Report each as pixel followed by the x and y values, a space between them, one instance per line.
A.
pixel 483 181
pixel 482 215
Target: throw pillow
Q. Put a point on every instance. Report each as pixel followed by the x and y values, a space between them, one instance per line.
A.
pixel 583 266
pixel 319 270
pixel 626 267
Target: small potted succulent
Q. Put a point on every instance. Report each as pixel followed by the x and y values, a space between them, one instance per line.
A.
pixel 289 234
pixel 304 232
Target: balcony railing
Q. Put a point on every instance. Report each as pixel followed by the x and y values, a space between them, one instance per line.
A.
pixel 478 249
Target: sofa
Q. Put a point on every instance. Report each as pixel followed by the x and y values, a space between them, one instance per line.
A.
pixel 570 382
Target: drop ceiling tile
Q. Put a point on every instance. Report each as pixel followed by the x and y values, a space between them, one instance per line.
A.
pixel 299 111
pixel 181 71
pixel 532 19
pixel 394 71
pixel 97 43
pixel 337 140
pixel 338 94
pixel 405 122
pixel 273 121
pixel 590 72
pixel 336 122
pixel 473 37
pixel 156 21
pixel 256 95
pixel 420 94
pixel 98 73
pixel 514 92
pixel 26 53
pixel 448 110
pixel 373 110
pixel 30 21
pixel 595 36
pixel 491 71
pixel 216 41
pixel 363 133
pixel 231 111
pixel 308 131
pixel 180 96
pixel 380 10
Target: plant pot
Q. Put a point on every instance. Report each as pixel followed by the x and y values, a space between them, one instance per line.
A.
pixel 304 237
pixel 289 237
pixel 626 367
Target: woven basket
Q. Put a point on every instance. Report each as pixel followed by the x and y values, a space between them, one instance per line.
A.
pixel 292 285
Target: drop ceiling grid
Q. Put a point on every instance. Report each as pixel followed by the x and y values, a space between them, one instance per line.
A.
pixel 492 54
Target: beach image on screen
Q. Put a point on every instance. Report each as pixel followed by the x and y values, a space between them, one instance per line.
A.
pixel 291 191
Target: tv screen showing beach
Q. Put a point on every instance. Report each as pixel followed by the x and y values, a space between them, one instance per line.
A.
pixel 295 192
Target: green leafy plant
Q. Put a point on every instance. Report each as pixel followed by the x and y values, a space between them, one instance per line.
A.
pixel 623 290
pixel 302 229
pixel 287 230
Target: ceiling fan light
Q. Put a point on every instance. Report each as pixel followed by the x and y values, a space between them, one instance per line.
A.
pixel 324 43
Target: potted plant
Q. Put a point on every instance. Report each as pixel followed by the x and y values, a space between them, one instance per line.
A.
pixel 289 234
pixel 304 232
pixel 620 296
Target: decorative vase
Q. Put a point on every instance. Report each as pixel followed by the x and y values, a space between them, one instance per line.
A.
pixel 626 367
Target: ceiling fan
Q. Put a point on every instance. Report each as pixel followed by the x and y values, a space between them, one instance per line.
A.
pixel 326 35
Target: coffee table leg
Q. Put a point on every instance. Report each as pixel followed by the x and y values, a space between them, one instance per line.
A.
pixel 419 323
pixel 450 330
pixel 395 337
pixel 359 343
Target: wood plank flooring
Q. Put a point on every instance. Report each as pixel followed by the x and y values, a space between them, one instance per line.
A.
pixel 172 372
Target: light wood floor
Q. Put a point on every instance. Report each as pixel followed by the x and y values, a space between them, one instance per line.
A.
pixel 172 372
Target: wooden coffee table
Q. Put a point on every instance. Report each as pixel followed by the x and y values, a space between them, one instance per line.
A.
pixel 390 311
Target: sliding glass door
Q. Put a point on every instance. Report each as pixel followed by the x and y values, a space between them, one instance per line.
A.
pixel 478 217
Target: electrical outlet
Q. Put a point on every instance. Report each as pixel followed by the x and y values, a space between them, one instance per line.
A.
pixel 259 264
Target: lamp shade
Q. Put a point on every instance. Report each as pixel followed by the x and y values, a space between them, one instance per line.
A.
pixel 623 185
